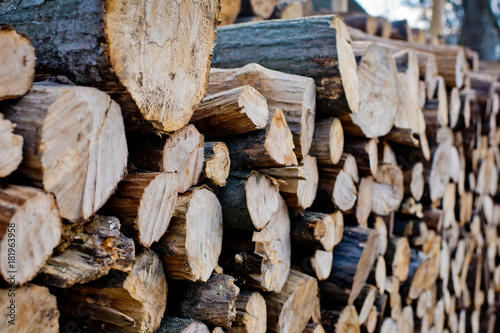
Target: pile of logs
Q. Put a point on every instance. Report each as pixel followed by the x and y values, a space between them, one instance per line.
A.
pixel 295 175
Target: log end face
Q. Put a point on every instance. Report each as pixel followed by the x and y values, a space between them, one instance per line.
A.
pixel 279 141
pixel 262 198
pixel 255 106
pixel 344 191
pixel 336 141
pixel 217 167
pixel 11 147
pixel 307 188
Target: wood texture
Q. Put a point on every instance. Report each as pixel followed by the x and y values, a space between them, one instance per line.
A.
pixel 11 147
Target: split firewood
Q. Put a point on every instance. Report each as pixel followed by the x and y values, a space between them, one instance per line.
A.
pixel 371 322
pixel 290 9
pixel 261 9
pixel 415 231
pixel 34 310
pixel 318 230
pixel 144 203
pixel 217 163
pixel 389 188
pixel 365 152
pixel 26 212
pixel 455 107
pixel 181 152
pixel 328 141
pixel 401 31
pixel 191 246
pixel 414 181
pixel 213 302
pixel 293 94
pixel 114 55
pixel 11 147
pixel 88 251
pixel 234 111
pixel 419 276
pixel 80 161
pixel 389 326
pixel 251 314
pixel 314 328
pixel 321 263
pixel 397 257
pixel 229 11
pixel 336 64
pixel 352 262
pixel 379 93
pixel 133 302
pixel 181 325
pixel 261 259
pixel 270 147
pixel 365 301
pixel 445 163
pixel 345 320
pixel 378 273
pixel 378 26
pixel 18 65
pixel 361 211
pixel 291 309
pixel 249 200
pixel 298 185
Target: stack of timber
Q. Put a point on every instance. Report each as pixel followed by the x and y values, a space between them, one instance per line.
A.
pixel 292 175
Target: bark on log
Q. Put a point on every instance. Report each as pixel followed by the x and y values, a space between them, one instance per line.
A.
pixel 217 163
pixel 251 314
pixel 291 309
pixel 270 147
pixel 191 246
pixel 365 152
pixel 389 188
pixel 397 257
pixel 213 302
pixel 120 47
pixel 11 147
pixel 144 203
pixel 133 302
pixel 18 65
pixel 80 161
pixel 328 141
pixel 293 94
pixel 181 325
pixel 181 152
pixel 36 310
pixel 24 213
pixel 364 302
pixel 352 261
pixel 249 200
pixel 87 252
pixel 325 55
pixel 338 187
pixel 233 111
pixel 299 191
pixel 318 230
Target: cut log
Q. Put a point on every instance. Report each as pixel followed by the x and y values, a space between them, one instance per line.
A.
pixel 11 147
pixel 17 71
pixel 343 321
pixel 321 263
pixel 235 111
pixel 445 163
pixel 318 230
pixel 365 152
pixel 25 213
pixel 229 11
pixel 364 302
pixel 213 302
pixel 251 315
pixel 298 191
pixel 181 325
pixel 249 200
pixel 270 147
pixel 293 94
pixel 419 276
pixel 289 9
pixel 338 186
pixel 360 213
pixel 397 257
pixel 144 203
pixel 87 252
pixel 133 302
pixel 181 152
pixel 29 309
pixel 79 161
pixel 324 55
pixel 328 141
pixel 378 273
pixel 352 261
pixel 120 48
pixel 261 8
pixel 314 328
pixel 414 181
pixel 191 246
pixel 389 188
pixel 217 163
pixel 291 309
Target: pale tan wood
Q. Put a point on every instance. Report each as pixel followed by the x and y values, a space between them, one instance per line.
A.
pixel 30 229
pixel 445 163
pixel 398 257
pixel 389 188
pixel 293 94
pixel 321 263
pixel 11 147
pixel 229 11
pixel 17 71
pixel 340 187
pixel 364 302
pixel 313 328
pixel 291 309
pixel 436 25
pixel 389 326
pixel 263 8
pixel 348 320
pixel 34 310
pixel 88 251
pixel 318 230
pixel 191 246
pixel 217 162
pixel 74 145
pixel 144 203
pixel 328 141
pixel 133 302
pixel 251 314
pixel 181 152
pixel 233 111
pixel 181 325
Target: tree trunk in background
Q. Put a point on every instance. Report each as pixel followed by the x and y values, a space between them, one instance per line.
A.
pixel 481 31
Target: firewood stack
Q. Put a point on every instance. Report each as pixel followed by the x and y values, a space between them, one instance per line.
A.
pixel 287 176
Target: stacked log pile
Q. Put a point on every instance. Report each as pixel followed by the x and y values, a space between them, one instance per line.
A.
pixel 288 176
